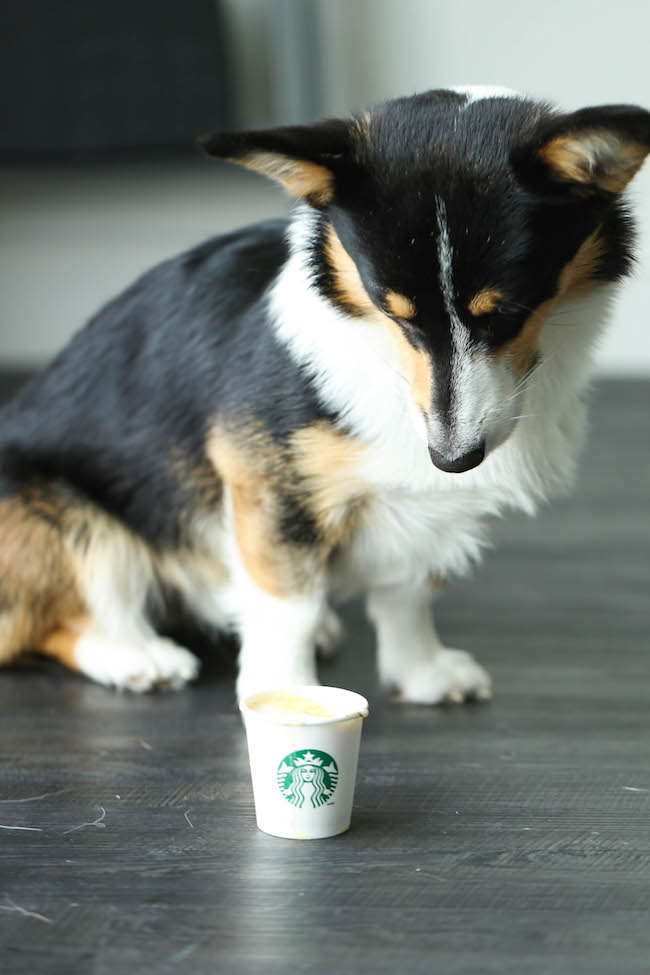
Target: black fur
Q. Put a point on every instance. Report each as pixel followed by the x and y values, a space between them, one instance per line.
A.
pixel 503 232
pixel 187 344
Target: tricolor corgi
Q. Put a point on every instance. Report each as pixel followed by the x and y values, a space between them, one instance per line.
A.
pixel 326 406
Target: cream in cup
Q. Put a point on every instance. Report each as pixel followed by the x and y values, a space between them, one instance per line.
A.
pixel 303 747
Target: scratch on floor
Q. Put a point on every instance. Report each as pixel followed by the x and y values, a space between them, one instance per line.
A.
pixel 188 818
pixel 184 953
pixel 634 788
pixel 12 906
pixel 96 822
pixel 29 829
pixel 45 795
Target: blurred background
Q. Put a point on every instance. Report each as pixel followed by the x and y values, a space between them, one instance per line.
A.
pixel 101 103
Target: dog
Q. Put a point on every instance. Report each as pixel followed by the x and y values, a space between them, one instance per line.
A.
pixel 333 405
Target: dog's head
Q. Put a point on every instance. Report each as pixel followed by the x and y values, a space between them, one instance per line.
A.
pixel 460 219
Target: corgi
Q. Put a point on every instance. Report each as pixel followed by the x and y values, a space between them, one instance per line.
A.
pixel 332 405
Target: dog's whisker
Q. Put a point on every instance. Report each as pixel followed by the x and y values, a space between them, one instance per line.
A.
pixel 524 384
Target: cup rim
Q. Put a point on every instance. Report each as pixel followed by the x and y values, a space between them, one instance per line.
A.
pixel 357 707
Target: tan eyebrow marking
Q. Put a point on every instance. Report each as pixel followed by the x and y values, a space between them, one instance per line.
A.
pixel 399 305
pixel 485 301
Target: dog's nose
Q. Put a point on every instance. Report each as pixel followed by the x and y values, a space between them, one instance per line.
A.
pixel 459 464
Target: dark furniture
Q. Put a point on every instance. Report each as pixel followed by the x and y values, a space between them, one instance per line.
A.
pixel 96 75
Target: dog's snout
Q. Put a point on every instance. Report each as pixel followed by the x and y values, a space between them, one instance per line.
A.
pixel 459 464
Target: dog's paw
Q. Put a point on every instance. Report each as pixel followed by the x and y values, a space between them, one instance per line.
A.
pixel 329 634
pixel 139 666
pixel 451 676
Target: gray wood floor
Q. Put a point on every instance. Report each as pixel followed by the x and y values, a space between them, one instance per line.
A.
pixel 512 837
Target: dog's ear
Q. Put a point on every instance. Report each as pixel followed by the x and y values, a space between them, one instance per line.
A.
pixel 595 151
pixel 304 158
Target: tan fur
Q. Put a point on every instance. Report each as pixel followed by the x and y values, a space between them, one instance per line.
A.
pixel 597 157
pixel 362 127
pixel 61 644
pixel 484 301
pixel 347 280
pixel 575 280
pixel 399 305
pixel 299 176
pixel 327 461
pixel 437 581
pixel 415 366
pixel 250 468
pixel 520 350
pixel 318 466
pixel 38 590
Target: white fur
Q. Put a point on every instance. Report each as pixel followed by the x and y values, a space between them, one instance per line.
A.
pixel 410 655
pixel 445 261
pixel 136 665
pixel 329 633
pixel 116 576
pixel 278 639
pixel 477 93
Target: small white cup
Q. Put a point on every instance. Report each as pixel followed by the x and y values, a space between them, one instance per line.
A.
pixel 303 747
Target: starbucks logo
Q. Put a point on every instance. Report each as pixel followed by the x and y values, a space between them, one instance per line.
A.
pixel 307 778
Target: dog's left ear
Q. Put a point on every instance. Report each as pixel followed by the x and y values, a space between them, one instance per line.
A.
pixel 593 151
pixel 304 158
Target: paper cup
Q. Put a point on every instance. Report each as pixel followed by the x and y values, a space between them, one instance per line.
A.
pixel 303 765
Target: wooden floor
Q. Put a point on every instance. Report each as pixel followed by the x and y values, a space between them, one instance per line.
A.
pixel 507 838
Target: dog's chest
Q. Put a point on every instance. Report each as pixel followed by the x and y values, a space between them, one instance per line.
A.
pixel 411 526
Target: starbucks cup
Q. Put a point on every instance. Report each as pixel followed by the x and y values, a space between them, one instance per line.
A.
pixel 303 746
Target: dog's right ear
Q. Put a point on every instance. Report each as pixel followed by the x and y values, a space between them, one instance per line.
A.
pixel 595 151
pixel 303 158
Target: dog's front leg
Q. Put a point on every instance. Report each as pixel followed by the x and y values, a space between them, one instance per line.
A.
pixel 410 655
pixel 277 639
pixel 279 595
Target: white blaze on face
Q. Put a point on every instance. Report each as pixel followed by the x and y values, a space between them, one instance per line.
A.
pixel 445 258
pixel 476 388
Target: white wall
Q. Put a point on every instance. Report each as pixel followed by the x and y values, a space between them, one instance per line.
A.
pixel 68 240
pixel 73 237
pixel 572 52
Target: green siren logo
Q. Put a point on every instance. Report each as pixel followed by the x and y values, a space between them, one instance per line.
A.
pixel 307 778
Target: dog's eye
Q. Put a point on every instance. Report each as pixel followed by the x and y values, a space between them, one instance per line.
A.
pixel 498 327
pixel 405 322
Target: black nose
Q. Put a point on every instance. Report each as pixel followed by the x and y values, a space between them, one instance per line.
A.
pixel 458 464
